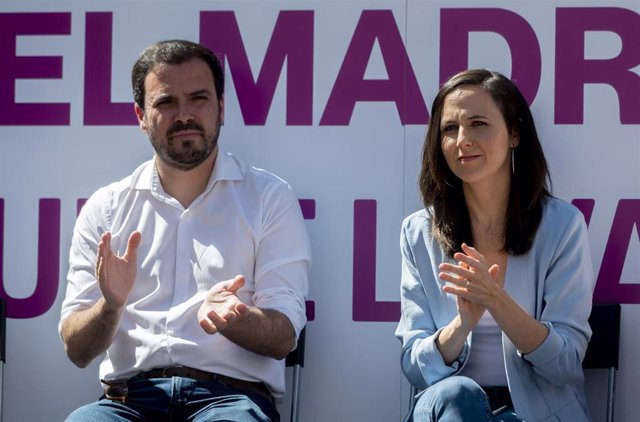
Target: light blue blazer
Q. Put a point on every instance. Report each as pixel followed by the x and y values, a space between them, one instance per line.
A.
pixel 553 282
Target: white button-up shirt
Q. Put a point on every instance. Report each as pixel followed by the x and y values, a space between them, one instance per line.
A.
pixel 246 222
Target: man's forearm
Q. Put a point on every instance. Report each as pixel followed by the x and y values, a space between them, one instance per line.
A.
pixel 88 333
pixel 264 331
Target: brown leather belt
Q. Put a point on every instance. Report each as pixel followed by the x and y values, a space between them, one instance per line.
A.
pixel 208 377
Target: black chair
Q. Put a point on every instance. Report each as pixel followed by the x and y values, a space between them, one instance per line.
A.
pixel 604 347
pixel 295 359
pixel 602 352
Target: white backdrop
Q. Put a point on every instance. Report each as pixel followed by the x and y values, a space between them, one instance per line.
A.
pixel 343 120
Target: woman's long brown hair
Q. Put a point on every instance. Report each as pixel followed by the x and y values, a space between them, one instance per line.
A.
pixel 441 190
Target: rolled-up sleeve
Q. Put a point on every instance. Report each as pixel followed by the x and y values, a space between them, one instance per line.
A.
pixel 567 298
pixel 421 361
pixel 283 257
pixel 82 289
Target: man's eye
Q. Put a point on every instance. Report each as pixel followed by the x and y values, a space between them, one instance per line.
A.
pixel 164 102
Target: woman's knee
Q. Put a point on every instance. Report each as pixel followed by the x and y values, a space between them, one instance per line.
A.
pixel 460 388
pixel 450 398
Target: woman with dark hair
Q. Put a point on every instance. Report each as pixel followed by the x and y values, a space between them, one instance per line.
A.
pixel 497 280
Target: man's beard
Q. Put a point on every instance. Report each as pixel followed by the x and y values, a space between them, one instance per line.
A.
pixel 185 155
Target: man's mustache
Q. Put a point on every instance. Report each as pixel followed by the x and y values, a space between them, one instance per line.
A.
pixel 179 126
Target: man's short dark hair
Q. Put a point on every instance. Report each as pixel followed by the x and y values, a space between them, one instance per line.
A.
pixel 173 52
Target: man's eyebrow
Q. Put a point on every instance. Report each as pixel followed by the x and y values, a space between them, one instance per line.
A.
pixel 161 96
pixel 200 92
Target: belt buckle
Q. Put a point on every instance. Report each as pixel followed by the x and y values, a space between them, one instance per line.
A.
pixel 164 373
pixel 116 390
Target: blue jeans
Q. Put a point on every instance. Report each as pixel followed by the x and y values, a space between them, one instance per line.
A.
pixel 458 399
pixel 179 399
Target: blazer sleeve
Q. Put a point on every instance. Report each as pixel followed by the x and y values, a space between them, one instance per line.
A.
pixel 566 306
pixel 421 361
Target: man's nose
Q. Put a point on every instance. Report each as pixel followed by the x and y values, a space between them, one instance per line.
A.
pixel 185 114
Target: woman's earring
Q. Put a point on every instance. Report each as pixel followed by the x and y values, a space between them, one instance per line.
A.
pixel 513 162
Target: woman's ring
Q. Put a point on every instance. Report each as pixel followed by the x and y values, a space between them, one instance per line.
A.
pixel 466 286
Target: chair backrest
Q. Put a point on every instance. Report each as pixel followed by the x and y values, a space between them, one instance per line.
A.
pixel 604 347
pixel 296 357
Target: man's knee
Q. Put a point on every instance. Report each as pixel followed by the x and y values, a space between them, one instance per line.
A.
pixel 241 408
pixel 98 412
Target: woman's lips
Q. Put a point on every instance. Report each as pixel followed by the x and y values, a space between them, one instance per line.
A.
pixel 467 158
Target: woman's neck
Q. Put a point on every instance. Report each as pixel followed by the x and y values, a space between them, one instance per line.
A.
pixel 488 214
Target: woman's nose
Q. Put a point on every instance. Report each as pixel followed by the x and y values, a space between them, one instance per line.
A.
pixel 464 138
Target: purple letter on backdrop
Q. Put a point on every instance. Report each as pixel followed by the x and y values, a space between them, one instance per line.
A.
pixel 573 71
pixel 292 39
pixel 585 205
pixel 365 305
pixel 526 61
pixel 308 208
pixel 14 67
pixel 608 287
pixel 46 289
pixel 350 86
pixel 98 108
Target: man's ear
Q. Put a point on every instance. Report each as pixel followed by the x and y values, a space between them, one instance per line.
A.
pixel 140 116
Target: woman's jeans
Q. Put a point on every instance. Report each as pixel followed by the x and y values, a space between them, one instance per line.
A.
pixel 457 399
pixel 179 399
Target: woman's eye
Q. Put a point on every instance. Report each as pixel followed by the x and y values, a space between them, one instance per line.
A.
pixel 448 128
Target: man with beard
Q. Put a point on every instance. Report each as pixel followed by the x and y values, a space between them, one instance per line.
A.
pixel 191 273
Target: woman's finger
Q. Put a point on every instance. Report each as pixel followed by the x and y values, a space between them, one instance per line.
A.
pixel 471 251
pixel 454 279
pixel 457 270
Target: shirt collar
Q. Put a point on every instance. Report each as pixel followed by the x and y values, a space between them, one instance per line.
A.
pixel 226 167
